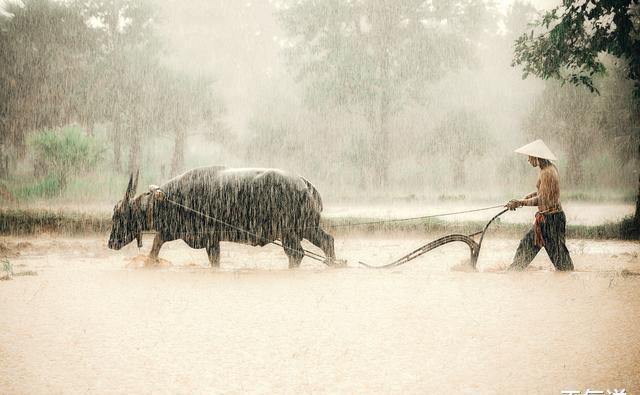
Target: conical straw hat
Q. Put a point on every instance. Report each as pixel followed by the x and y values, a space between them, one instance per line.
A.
pixel 538 149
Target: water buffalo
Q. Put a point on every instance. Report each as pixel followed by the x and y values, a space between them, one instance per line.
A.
pixel 211 204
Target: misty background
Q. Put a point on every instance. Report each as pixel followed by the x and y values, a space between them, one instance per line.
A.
pixel 370 101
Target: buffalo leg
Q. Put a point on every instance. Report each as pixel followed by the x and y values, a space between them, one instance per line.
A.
pixel 213 250
pixel 293 249
pixel 155 249
pixel 323 240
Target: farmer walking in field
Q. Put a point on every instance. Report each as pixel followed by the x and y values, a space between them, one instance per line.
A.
pixel 549 226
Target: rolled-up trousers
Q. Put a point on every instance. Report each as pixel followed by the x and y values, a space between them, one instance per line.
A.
pixel 553 231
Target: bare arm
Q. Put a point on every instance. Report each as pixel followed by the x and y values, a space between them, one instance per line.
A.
pixel 532 201
pixel 529 200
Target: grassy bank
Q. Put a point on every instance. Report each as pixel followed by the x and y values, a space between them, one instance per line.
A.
pixel 614 230
pixel 19 222
pixel 26 222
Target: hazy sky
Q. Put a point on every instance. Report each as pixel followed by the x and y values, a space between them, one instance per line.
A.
pixel 238 43
pixel 539 4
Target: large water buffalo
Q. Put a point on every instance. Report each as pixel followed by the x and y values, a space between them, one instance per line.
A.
pixel 211 204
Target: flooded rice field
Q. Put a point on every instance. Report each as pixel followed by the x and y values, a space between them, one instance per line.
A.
pixel 99 321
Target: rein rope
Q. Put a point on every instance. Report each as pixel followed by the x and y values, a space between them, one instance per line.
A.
pixel 415 218
pixel 310 254
pixel 319 257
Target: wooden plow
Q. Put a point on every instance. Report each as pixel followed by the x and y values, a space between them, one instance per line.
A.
pixel 474 246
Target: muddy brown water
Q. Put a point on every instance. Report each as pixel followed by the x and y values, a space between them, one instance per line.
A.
pixel 98 321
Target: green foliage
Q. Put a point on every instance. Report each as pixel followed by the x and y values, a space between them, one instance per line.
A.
pixel 568 46
pixel 629 228
pixel 62 152
pixel 91 61
pixel 45 47
pixel 586 129
pixel 48 187
pixel 573 35
pixel 589 129
pixel 137 94
pixel 20 222
pixel 7 267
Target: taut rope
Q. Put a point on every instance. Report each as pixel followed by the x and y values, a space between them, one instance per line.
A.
pixel 310 254
pixel 415 218
pixel 475 247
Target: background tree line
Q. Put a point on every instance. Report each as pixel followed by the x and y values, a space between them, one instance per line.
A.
pixel 385 98
pixel 96 63
pixel 402 82
pixel 578 42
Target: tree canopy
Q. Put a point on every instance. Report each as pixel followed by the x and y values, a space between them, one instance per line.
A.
pixel 44 46
pixel 375 56
pixel 570 39
pixel 568 42
pixel 89 62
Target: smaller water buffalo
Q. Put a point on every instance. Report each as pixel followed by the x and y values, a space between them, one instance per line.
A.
pixel 207 205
